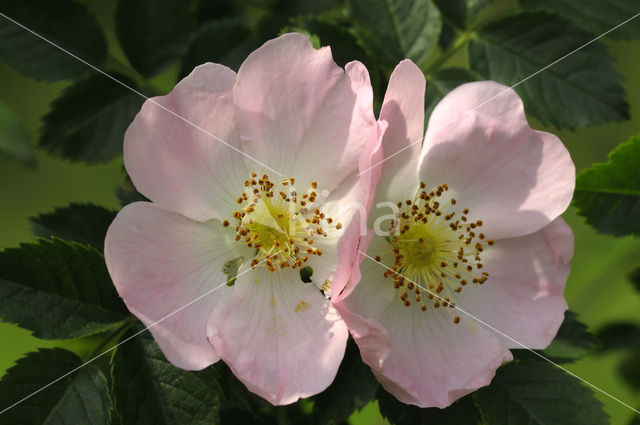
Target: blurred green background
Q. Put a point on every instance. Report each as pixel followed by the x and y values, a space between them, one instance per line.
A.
pixel 598 289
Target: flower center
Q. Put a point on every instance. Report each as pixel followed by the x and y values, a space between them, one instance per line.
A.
pixel 435 246
pixel 278 223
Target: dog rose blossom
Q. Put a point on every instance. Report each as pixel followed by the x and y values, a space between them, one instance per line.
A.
pixel 252 178
pixel 475 225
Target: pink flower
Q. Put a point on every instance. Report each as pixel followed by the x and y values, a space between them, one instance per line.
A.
pixel 477 224
pixel 217 214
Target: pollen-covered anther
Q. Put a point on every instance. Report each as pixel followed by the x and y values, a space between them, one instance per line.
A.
pixel 430 239
pixel 278 223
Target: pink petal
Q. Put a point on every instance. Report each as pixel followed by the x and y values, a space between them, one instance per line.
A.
pixel 159 262
pixel 299 111
pixel 422 358
pixel 515 179
pixel 523 297
pixel 180 166
pixel 279 336
pixel 403 110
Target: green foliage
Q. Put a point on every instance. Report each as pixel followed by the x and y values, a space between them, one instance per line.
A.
pixel 154 33
pixel 572 342
pixel 619 335
pixel 392 30
pixel 14 141
pixel 147 389
pixel 352 389
pixel 83 223
pixel 442 82
pixel 634 277
pixel 630 370
pixel 87 123
pixel 463 411
pixel 58 290
pixel 538 393
pixel 462 13
pixel 608 194
pixel 595 16
pixel 581 90
pixel 65 23
pixel 82 397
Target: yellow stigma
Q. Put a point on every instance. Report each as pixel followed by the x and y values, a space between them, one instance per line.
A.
pixel 279 223
pixel 437 248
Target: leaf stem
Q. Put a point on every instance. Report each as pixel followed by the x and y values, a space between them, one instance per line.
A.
pixel 127 323
pixel 440 60
pixel 115 65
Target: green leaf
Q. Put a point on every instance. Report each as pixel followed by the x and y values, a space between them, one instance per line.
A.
pixel 154 33
pixel 14 141
pixel 463 411
pixel 65 23
pixel 392 30
pixel 538 393
pixel 620 335
pixel 82 397
pixel 580 90
pixel 572 341
pixel 630 370
pixel 147 389
pixel 634 277
pixel 351 390
pixel 58 290
pixel 87 122
pixel 462 13
pixel 83 223
pixel 442 82
pixel 595 16
pixel 608 194
pixel 224 41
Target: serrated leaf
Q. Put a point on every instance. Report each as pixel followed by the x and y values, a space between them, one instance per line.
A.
pixel 538 393
pixel 224 41
pixel 147 389
pixel 580 90
pixel 595 16
pixel 58 290
pixel 66 23
pixel 353 387
pixel 154 33
pixel 80 398
pixel 15 143
pixel 620 335
pixel 83 223
pixel 463 411
pixel 88 121
pixel 442 82
pixel 461 13
pixel 392 30
pixel 608 194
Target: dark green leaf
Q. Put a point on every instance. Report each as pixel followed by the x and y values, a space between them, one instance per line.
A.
pixel 392 30
pixel 461 13
pixel 58 290
pixel 630 370
pixel 538 393
pixel 595 16
pixel 442 82
pixel 352 389
pixel 83 223
pixel 461 412
pixel 572 341
pixel 447 35
pixel 147 389
pixel 608 194
pixel 15 143
pixel 223 41
pixel 80 398
pixel 154 33
pixel 635 420
pixel 621 335
pixel 87 123
pixel 580 90
pixel 634 277
pixel 65 23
